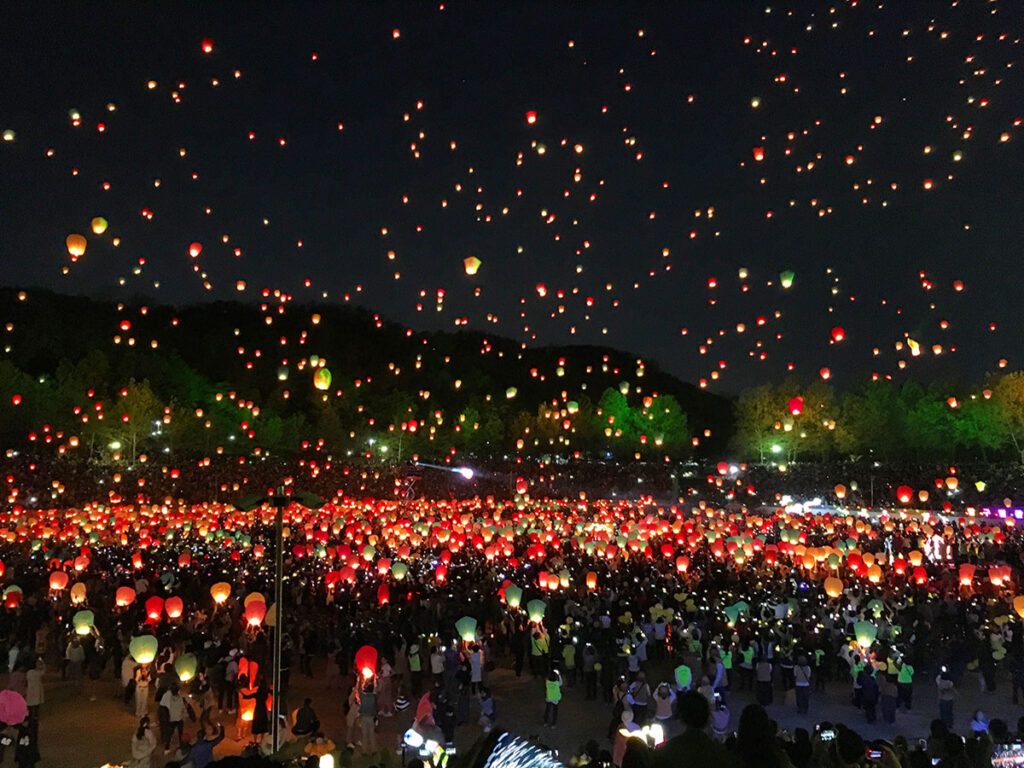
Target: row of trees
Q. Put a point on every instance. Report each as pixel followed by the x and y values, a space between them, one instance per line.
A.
pixel 85 409
pixel 882 420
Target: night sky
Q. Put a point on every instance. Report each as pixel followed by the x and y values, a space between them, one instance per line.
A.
pixel 892 168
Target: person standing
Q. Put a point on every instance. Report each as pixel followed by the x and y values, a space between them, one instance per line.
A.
pixel 367 716
pixel 175 706
pixel 763 672
pixel 947 693
pixel 747 666
pixel 590 671
pixel 416 670
pixel 869 693
pixel 905 686
pixel 889 700
pixel 34 694
pixel 802 682
pixel 569 662
pixel 143 678
pixel 552 698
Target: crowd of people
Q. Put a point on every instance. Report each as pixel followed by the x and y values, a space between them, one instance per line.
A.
pixel 641 607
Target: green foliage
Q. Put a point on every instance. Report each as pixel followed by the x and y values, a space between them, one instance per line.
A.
pixel 881 420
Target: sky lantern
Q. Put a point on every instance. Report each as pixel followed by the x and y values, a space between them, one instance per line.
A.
pixel 952 483
pixel 833 587
pixel 366 661
pixel 722 468
pixel 796 405
pixel 1018 605
pixel 466 628
pixel 78 593
pixel 220 592
pixel 553 582
pixel 255 611
pixel 531 117
pixel 124 597
pixel 966 574
pixel 682 563
pixel 99 225
pixel 174 607
pixel 865 632
pixel 471 264
pixel 185 666
pixel 143 649
pixel 874 573
pixel 922 496
pixel 441 573
pixel 195 249
pixel 591 581
pixel 838 334
pixel 904 493
pixel 399 570
pixel 58 581
pixel 12 596
pixel 83 622
pixel 322 379
pixel 383 594
pixel 825 374
pixel 786 278
pixel 920 575
pixel 76 246
pixel 840 491
pixel 511 392
pixel 513 596
pixel 758 153
pixel 535 610
pixel 154 607
pixel 522 486
pixel 206 45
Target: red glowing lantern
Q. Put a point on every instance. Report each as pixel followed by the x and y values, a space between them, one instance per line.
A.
pixel 255 611
pixel 796 405
pixel 838 334
pixel 184 559
pixel 366 661
pixel 154 607
pixel 531 117
pixel 383 594
pixel 904 493
pixel 124 597
pixel 758 153
pixel 174 607
pixel 682 563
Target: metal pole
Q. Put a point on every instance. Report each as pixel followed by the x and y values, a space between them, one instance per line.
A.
pixel 278 615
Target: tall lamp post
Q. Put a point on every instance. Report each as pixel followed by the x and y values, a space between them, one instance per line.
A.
pixel 278 500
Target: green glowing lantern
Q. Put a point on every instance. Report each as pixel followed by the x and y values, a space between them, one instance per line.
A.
pixel 83 622
pixel 185 665
pixel 534 609
pixel 322 379
pixel 143 649
pixel 786 278
pixel 865 632
pixel 399 570
pixel 513 595
pixel 466 627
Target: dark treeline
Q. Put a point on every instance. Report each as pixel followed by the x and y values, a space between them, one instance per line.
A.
pixel 105 381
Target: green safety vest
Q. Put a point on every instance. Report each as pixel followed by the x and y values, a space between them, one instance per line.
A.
pixel 727 659
pixel 695 646
pixel 414 663
pixel 683 676
pixel 855 670
pixel 554 691
pixel 748 655
pixel 569 655
pixel 906 674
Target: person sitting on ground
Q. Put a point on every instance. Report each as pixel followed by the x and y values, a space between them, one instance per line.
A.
pixel 306 721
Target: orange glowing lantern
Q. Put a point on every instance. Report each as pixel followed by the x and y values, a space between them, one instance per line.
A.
pixel 591 580
pixel 124 597
pixel 58 581
pixel 220 592
pixel 833 586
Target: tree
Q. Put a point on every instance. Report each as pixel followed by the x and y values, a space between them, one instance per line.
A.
pixel 872 421
pixel 759 413
pixel 131 420
pixel 1008 396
